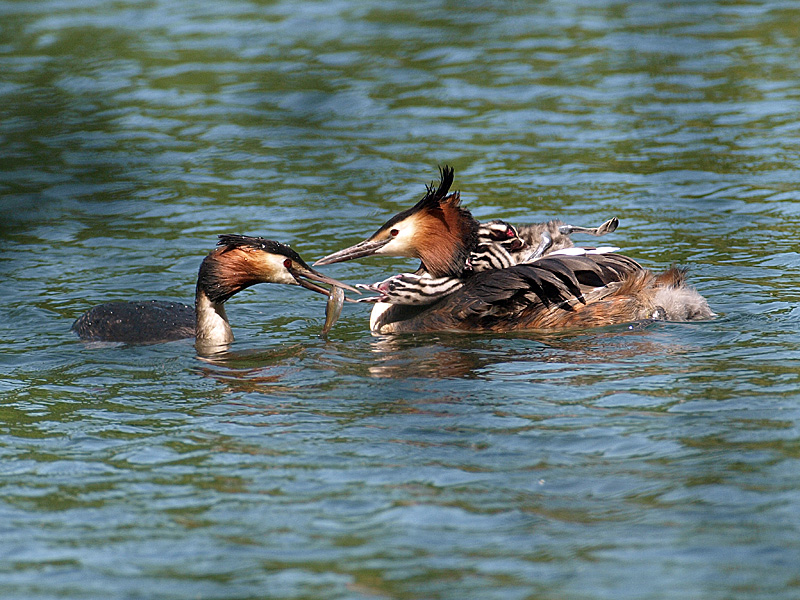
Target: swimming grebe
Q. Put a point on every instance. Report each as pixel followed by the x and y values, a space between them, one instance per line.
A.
pixel 550 291
pixel 238 262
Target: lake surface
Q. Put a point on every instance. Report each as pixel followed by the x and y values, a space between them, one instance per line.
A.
pixel 643 462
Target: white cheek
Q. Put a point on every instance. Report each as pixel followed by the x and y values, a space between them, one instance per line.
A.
pixel 280 274
pixel 400 245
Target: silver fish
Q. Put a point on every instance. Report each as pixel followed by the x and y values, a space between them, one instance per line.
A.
pixel 333 309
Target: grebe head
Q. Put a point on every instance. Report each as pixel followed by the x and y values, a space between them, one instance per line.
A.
pixel 497 248
pixel 502 233
pixel 437 230
pixel 241 261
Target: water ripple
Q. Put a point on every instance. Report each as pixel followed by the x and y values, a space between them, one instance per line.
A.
pixel 437 466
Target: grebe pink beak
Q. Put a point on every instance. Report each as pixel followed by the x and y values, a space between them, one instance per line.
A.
pixel 365 248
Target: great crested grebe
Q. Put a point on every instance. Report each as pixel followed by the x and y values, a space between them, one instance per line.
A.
pixel 582 288
pixel 238 262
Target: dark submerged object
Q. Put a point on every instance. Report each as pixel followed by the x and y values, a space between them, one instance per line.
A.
pixel 237 263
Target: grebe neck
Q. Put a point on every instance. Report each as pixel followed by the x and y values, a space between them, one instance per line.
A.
pixel 219 278
pixel 211 323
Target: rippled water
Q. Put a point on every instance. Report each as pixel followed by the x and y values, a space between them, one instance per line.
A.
pixel 645 462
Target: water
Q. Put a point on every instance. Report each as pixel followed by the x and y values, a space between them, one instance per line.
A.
pixel 645 462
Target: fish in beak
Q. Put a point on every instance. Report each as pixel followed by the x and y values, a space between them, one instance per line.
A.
pixel 304 276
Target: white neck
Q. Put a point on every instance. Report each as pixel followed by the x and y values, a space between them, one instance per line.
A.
pixel 211 322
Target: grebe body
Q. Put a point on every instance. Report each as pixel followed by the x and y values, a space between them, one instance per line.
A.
pixel 136 322
pixel 557 292
pixel 237 263
pixel 541 285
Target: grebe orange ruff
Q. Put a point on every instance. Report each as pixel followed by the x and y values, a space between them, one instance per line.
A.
pixel 237 263
pixel 554 291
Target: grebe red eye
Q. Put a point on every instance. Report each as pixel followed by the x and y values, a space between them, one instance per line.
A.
pixel 287 263
pixel 393 232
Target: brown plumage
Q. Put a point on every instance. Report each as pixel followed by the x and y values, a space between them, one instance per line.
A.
pixel 443 237
pixel 554 293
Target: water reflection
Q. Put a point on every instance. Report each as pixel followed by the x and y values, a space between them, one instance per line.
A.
pixel 461 356
pixel 393 358
pixel 243 371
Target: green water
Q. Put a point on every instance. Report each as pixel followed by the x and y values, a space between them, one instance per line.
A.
pixel 634 463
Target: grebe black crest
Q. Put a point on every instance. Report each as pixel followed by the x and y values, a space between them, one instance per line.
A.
pixel 237 263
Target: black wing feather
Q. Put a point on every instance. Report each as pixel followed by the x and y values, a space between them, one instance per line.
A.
pixel 501 295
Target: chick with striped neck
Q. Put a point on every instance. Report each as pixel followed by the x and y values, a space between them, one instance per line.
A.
pixel 502 245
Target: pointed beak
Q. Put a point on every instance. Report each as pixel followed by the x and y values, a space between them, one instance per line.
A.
pixel 365 248
pixel 302 275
